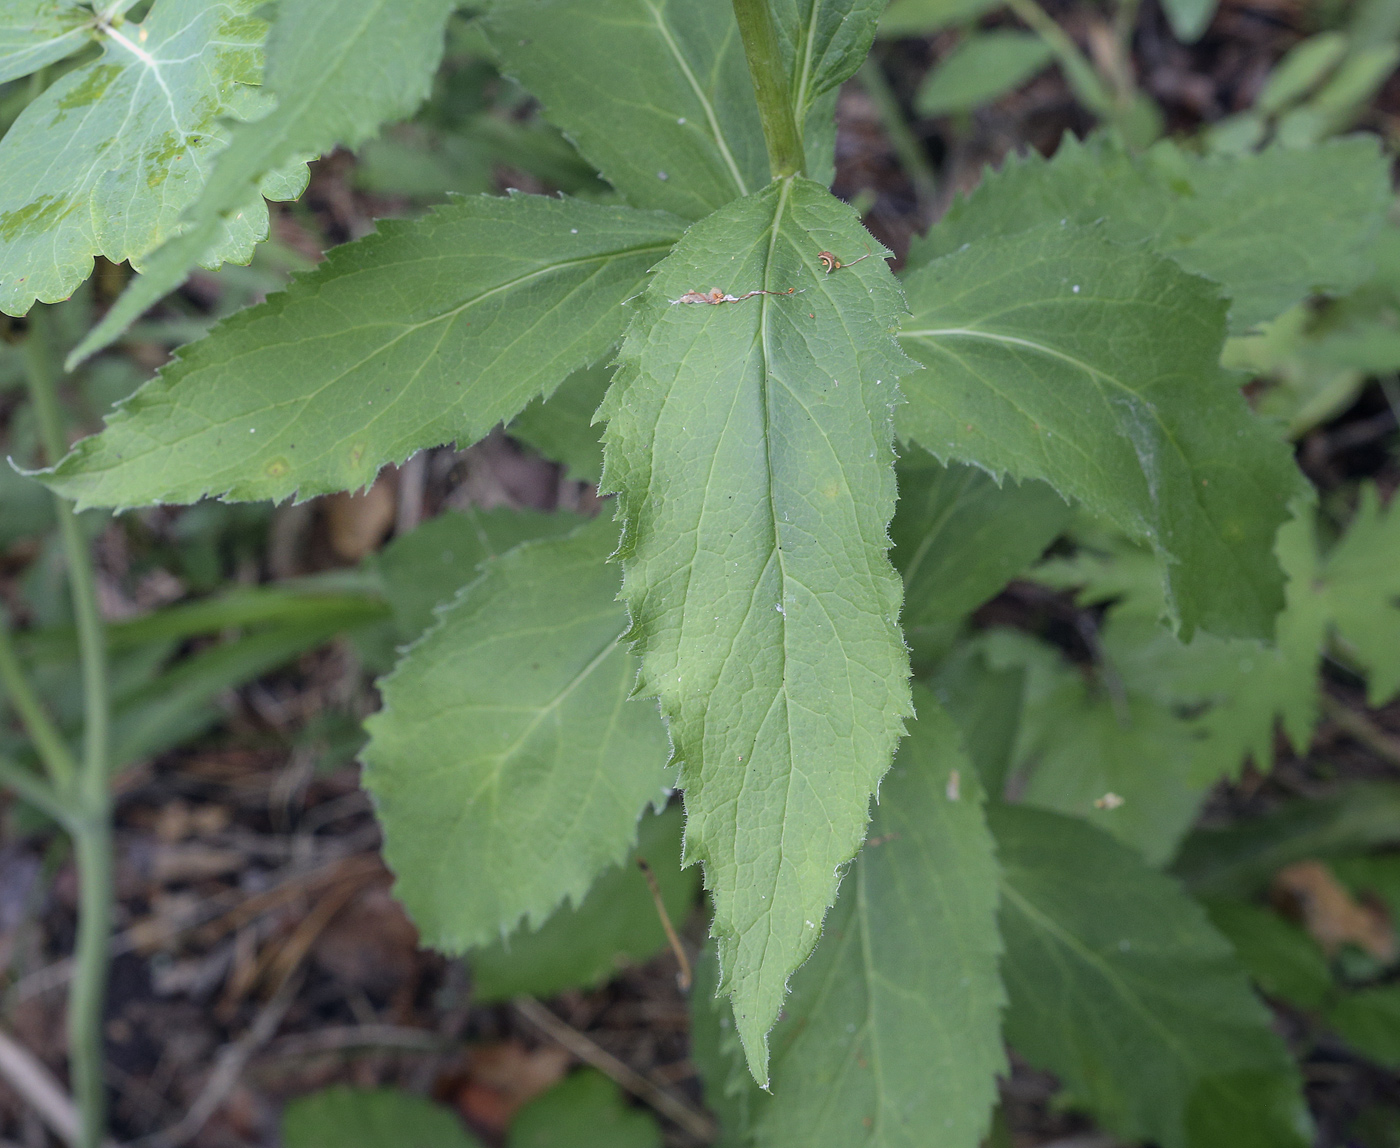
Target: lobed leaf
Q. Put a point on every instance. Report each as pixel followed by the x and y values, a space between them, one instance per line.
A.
pixel 334 84
pixel 1119 985
pixel 892 1035
pixel 428 331
pixel 107 159
pixel 1058 356
pixel 1271 227
pixel 750 442
pixel 507 765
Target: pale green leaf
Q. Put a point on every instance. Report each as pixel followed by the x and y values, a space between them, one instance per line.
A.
pixel 923 17
pixel 429 331
pixel 1119 985
pixel 585 1110
pixel 1303 67
pixel 106 160
pixel 334 82
pixel 1271 228
pixel 509 723
pixel 343 1117
pixel 1058 356
pixel 35 33
pixel 892 1035
pixel 982 67
pixel 751 444
pixel 615 926
pixel 561 426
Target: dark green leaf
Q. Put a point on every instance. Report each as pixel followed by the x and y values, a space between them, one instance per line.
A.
pixel 1284 961
pixel 342 1117
pixel 584 1111
pixel 509 722
pixel 1058 356
pixel 428 331
pixel 1369 1021
pixel 1119 985
pixel 751 444
pixel 561 427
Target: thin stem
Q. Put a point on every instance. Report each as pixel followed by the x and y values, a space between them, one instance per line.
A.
pixel 1078 71
pixel 33 789
pixel 91 822
pixel 910 151
pixel 53 748
pixel 770 87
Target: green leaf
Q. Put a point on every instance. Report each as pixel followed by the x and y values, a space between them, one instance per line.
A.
pixel 1189 18
pixel 1360 580
pixel 585 1110
pixel 1271 228
pixel 378 1118
pixel 982 67
pixel 1119 986
pixel 1284 961
pixel 1058 356
pixel 923 17
pixel 1369 1021
pixel 334 83
pixel 892 1035
pixel 35 33
pixel 1088 747
pixel 616 925
pixel 656 94
pixel 425 568
pixel 508 723
pixel 106 160
pixel 428 331
pixel 751 445
pixel 561 426
pixel 960 536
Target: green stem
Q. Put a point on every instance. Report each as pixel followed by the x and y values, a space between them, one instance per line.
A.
pixel 90 822
pixel 33 789
pixel 1078 71
pixel 910 151
pixel 53 749
pixel 770 87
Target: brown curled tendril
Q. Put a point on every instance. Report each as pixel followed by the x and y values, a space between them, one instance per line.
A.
pixel 831 263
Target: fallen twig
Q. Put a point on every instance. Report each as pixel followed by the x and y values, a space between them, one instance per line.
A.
pixel 677 1111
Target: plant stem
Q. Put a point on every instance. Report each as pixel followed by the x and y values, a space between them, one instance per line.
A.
pixel 90 820
pixel 33 789
pixel 1078 71
pixel 53 748
pixel 770 87
pixel 910 151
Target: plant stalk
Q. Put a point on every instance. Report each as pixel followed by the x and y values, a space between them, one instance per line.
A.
pixel 771 88
pixel 90 818
pixel 48 740
pixel 1078 71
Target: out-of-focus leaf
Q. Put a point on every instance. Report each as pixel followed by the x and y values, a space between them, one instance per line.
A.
pixel 982 67
pixel 1369 1021
pixel 922 17
pixel 585 1110
pixel 378 1118
pixel 561 427
pixel 1189 18
pixel 1284 962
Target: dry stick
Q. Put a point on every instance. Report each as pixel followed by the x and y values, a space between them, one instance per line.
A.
pixel 696 1123
pixel 229 1067
pixel 28 1076
pixel 1357 725
pixel 683 978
